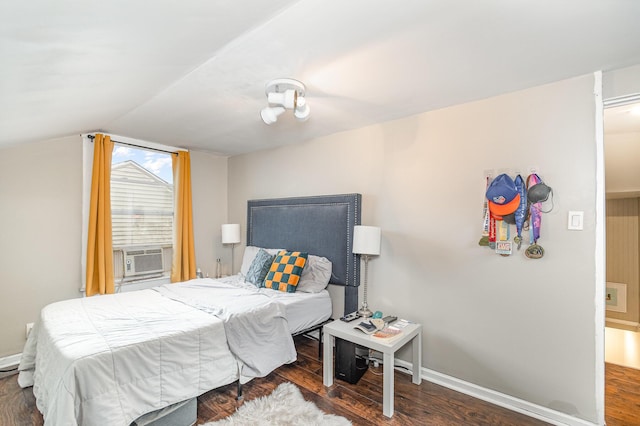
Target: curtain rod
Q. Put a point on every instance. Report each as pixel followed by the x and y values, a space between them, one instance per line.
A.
pixel 92 137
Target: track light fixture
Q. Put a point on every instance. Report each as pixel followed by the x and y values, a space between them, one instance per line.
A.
pixel 283 94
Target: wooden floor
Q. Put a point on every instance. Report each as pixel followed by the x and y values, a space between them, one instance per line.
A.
pixel 622 395
pixel 426 404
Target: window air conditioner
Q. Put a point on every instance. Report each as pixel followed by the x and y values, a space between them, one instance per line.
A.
pixel 143 262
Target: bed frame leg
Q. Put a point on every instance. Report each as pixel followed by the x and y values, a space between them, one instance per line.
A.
pixel 320 345
pixel 239 397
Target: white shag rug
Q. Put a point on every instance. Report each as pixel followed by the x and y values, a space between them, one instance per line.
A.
pixel 285 406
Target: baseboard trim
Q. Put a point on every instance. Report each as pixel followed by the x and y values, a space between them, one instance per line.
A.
pixel 503 400
pixel 623 322
pixel 10 361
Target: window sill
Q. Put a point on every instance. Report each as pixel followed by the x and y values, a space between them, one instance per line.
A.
pixel 142 284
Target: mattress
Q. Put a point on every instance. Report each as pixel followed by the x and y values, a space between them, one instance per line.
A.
pixel 303 310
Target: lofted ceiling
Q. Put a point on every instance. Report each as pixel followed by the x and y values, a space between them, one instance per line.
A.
pixel 192 73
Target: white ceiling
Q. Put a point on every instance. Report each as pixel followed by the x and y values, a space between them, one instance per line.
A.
pixel 192 73
pixel 622 119
pixel 622 151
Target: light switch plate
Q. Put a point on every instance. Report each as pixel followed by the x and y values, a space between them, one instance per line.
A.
pixel 576 221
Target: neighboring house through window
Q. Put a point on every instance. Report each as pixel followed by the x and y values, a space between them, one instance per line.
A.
pixel 142 214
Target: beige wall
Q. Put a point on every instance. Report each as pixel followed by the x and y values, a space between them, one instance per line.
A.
pixel 518 326
pixel 209 187
pixel 41 199
pixel 41 216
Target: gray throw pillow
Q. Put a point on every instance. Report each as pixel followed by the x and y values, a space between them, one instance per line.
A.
pixel 259 268
pixel 315 275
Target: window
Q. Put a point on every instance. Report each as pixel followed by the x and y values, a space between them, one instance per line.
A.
pixel 142 213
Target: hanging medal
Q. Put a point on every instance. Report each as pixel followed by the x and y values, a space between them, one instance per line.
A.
pixel 534 251
pixel 484 240
pixel 521 212
pixel 492 222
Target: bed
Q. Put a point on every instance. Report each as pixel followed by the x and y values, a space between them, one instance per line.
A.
pixel 142 357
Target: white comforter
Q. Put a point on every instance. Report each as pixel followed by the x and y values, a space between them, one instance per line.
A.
pixel 107 360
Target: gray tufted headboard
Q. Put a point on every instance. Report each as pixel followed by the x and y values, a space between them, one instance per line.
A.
pixel 321 225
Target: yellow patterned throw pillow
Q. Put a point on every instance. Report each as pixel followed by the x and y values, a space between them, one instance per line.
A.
pixel 285 271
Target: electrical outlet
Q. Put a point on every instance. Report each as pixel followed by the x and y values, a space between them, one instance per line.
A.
pixel 28 330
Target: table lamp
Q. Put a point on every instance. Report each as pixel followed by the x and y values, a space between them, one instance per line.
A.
pixel 366 243
pixel 231 235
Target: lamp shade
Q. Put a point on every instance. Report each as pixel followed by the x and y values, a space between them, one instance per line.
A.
pixel 366 240
pixel 231 233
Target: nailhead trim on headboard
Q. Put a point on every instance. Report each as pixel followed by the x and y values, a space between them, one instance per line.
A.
pixel 274 223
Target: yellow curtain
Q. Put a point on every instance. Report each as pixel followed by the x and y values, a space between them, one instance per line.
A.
pixel 184 258
pixel 99 243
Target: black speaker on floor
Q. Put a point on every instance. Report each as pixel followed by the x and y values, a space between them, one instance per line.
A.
pixel 348 367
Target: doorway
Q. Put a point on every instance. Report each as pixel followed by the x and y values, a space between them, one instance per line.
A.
pixel 622 295
pixel 622 188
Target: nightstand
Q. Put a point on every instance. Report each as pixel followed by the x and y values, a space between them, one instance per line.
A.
pixel 344 330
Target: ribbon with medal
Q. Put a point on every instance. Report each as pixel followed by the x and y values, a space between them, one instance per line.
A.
pixel 534 251
pixel 521 212
pixel 484 239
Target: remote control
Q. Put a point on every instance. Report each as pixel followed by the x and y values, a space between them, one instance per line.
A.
pixel 350 317
pixel 389 319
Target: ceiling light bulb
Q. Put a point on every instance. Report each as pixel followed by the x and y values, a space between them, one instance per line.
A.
pixel 270 114
pixel 302 112
pixel 635 110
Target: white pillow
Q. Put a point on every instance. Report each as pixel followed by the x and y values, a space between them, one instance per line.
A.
pixel 315 275
pixel 250 253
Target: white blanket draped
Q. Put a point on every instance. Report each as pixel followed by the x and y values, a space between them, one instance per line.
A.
pixel 255 325
pixel 107 360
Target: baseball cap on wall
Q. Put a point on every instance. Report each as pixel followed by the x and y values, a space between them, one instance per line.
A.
pixel 502 196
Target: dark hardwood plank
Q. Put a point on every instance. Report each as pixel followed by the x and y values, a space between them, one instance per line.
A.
pixel 362 403
pixel 427 404
pixel 17 406
pixel 622 395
